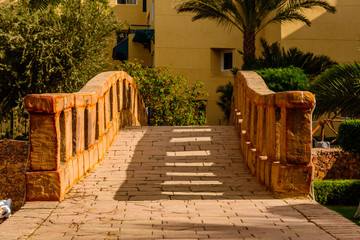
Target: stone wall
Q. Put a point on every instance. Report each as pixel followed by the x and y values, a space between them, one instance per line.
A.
pixel 13 157
pixel 335 164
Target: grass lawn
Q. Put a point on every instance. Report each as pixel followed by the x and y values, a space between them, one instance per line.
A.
pixel 347 211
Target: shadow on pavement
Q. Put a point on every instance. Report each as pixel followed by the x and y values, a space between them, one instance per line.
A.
pixel 188 163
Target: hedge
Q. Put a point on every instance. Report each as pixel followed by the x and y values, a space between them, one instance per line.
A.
pixel 337 192
pixel 349 136
pixel 284 79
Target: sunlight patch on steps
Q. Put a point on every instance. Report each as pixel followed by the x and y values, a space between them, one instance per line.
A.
pixel 193 130
pixel 193 193
pixel 188 153
pixel 191 139
pixel 194 164
pixel 191 174
pixel 191 183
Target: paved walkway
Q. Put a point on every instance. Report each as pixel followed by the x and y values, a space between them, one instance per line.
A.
pixel 175 183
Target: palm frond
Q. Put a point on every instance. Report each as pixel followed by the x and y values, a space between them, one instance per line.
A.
pixel 42 4
pixel 292 10
pixel 220 11
pixel 337 91
pixel 225 98
pixel 273 56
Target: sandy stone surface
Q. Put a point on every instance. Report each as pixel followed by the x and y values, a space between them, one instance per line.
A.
pixel 175 183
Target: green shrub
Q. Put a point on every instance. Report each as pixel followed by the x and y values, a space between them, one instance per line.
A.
pixel 349 136
pixel 171 99
pixel 337 192
pixel 273 56
pixel 57 49
pixel 284 79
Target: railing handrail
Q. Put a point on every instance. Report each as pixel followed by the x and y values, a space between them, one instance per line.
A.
pixel 275 131
pixel 70 132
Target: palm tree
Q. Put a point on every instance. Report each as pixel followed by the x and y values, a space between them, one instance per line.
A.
pixel 251 16
pixel 274 56
pixel 337 91
pixel 225 98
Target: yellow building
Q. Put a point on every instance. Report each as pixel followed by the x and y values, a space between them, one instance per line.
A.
pixel 204 51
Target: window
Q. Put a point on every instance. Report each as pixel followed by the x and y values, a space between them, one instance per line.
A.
pixel 129 2
pixel 226 61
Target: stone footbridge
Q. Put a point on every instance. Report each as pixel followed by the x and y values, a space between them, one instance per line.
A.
pixel 174 183
pixel 88 180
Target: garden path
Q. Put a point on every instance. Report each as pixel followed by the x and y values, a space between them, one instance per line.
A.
pixel 175 183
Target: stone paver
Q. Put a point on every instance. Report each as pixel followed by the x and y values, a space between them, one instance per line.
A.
pixel 175 183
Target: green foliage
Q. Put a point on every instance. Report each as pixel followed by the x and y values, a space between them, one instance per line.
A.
pixel 171 99
pixel 337 192
pixel 284 79
pixel 349 136
pixel 337 91
pixel 225 98
pixel 273 56
pixel 251 16
pixel 43 4
pixel 57 49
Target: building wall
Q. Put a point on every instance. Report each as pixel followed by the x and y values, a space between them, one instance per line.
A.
pixel 131 14
pixel 134 15
pixel 194 48
pixel 335 35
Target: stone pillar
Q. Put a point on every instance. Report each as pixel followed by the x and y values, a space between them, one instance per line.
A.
pixel 292 175
pixel 295 133
pixel 43 181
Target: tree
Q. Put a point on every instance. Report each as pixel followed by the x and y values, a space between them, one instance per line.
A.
pixel 57 49
pixel 172 100
pixel 337 91
pixel 251 16
pixel 274 56
pixel 43 4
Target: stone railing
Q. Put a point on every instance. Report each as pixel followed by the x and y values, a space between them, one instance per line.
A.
pixel 70 133
pixel 275 132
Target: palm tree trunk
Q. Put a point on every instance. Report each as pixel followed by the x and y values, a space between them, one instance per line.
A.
pixel 249 50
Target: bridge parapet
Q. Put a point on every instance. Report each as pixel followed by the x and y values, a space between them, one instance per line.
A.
pixel 70 133
pixel 275 132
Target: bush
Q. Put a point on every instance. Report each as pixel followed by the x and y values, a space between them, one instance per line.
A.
pixel 171 99
pixel 273 56
pixel 57 49
pixel 337 192
pixel 349 136
pixel 284 79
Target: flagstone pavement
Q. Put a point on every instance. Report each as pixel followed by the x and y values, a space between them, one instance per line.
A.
pixel 175 183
